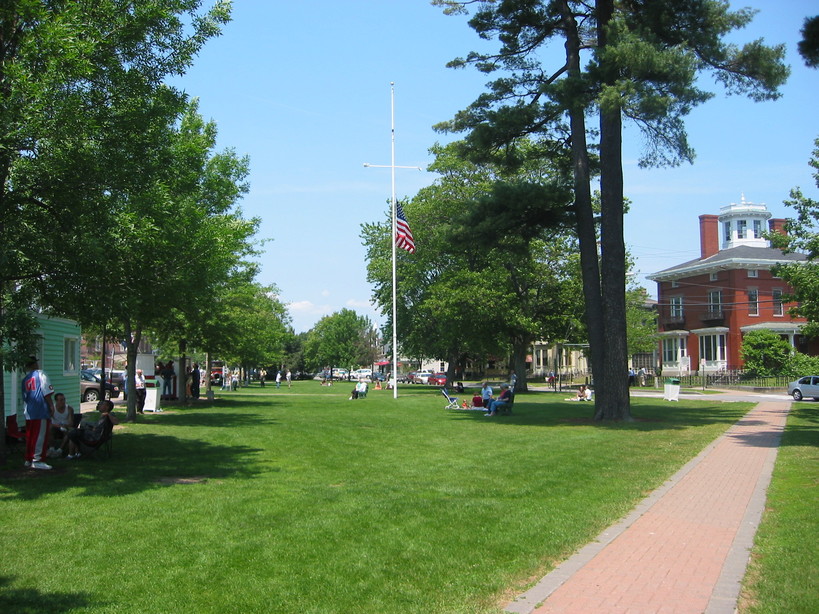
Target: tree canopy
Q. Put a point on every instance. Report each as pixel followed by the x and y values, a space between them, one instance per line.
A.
pixel 643 61
pixel 802 235
pixel 343 339
pixel 494 269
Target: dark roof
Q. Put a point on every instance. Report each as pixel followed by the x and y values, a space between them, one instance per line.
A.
pixel 766 255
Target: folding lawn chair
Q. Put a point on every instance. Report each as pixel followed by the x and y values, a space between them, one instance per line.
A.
pixel 453 401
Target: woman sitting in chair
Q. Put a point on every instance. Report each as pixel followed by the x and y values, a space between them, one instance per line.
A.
pixel 91 435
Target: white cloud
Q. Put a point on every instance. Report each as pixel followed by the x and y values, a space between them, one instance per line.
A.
pixel 359 304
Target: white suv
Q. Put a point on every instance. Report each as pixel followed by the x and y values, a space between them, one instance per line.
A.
pixel 422 377
pixel 361 374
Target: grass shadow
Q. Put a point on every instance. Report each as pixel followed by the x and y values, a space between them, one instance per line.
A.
pixel 32 601
pixel 206 419
pixel 648 415
pixel 139 462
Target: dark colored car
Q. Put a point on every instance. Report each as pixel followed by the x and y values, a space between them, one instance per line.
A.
pixel 90 387
pixel 437 379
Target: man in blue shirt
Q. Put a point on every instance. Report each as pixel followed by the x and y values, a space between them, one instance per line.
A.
pixel 39 408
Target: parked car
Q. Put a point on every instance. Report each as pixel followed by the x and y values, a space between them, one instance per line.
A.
pixel 341 374
pixel 381 377
pixel 807 386
pixel 422 377
pixel 406 378
pixel 360 374
pixel 90 387
pixel 437 379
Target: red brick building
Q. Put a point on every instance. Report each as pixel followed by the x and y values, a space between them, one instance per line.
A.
pixel 707 304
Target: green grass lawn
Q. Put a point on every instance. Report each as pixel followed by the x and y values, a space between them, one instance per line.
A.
pixel 302 501
pixel 783 575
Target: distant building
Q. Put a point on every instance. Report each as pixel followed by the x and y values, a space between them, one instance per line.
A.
pixel 706 305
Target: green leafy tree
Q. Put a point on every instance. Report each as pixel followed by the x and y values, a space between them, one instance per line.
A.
pixel 173 239
pixel 799 365
pixel 257 324
pixel 765 353
pixel 645 60
pixel 72 76
pixel 294 351
pixel 338 340
pixel 641 322
pixel 802 236
pixel 477 285
pixel 809 45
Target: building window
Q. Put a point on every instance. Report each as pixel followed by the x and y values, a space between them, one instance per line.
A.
pixel 742 226
pixel 753 302
pixel 713 277
pixel 715 301
pixel 673 349
pixel 777 303
pixel 753 272
pixel 676 307
pixel 712 348
pixel 71 355
pixel 757 229
pixel 726 227
pixel 675 283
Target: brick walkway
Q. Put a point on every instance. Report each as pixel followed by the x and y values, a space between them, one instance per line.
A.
pixel 684 549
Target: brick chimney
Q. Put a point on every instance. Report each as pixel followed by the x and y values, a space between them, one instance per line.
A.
pixel 709 235
pixel 777 225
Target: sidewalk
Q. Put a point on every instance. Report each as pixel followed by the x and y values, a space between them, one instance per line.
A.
pixel 684 549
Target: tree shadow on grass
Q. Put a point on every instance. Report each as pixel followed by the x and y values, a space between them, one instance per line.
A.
pixel 32 601
pixel 139 462
pixel 207 419
pixel 647 416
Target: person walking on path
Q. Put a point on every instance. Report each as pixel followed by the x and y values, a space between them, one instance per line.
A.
pixel 39 407
pixel 684 549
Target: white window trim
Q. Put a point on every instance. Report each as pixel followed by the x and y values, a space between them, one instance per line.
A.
pixel 75 357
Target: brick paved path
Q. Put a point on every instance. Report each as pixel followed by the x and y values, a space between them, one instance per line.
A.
pixel 684 549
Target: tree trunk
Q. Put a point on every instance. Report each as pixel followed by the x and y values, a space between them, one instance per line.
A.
pixel 584 212
pixel 612 400
pixel 131 351
pixel 520 348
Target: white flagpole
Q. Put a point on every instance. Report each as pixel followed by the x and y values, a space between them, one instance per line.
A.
pixel 394 277
pixel 394 202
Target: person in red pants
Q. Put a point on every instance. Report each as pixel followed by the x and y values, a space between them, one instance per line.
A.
pixel 39 407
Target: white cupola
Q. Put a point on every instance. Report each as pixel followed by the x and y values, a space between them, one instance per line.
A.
pixel 743 224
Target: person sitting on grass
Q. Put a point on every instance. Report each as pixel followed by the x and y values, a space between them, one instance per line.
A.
pixel 580 396
pixel 502 402
pixel 90 434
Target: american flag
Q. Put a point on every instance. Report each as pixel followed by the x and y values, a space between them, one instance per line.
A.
pixel 403 234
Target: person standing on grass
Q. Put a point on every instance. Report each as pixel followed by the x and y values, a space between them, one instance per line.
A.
pixel 195 380
pixel 486 394
pixel 39 408
pixel 289 378
pixel 278 379
pixel 141 392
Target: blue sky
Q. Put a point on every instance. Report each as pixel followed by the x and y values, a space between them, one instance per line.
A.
pixel 303 88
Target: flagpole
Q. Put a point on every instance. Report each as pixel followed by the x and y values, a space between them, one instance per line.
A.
pixel 394 206
pixel 394 276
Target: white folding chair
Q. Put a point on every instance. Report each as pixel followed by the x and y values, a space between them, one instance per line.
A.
pixel 452 401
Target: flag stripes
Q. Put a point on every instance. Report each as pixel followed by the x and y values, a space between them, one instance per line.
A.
pixel 403 234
